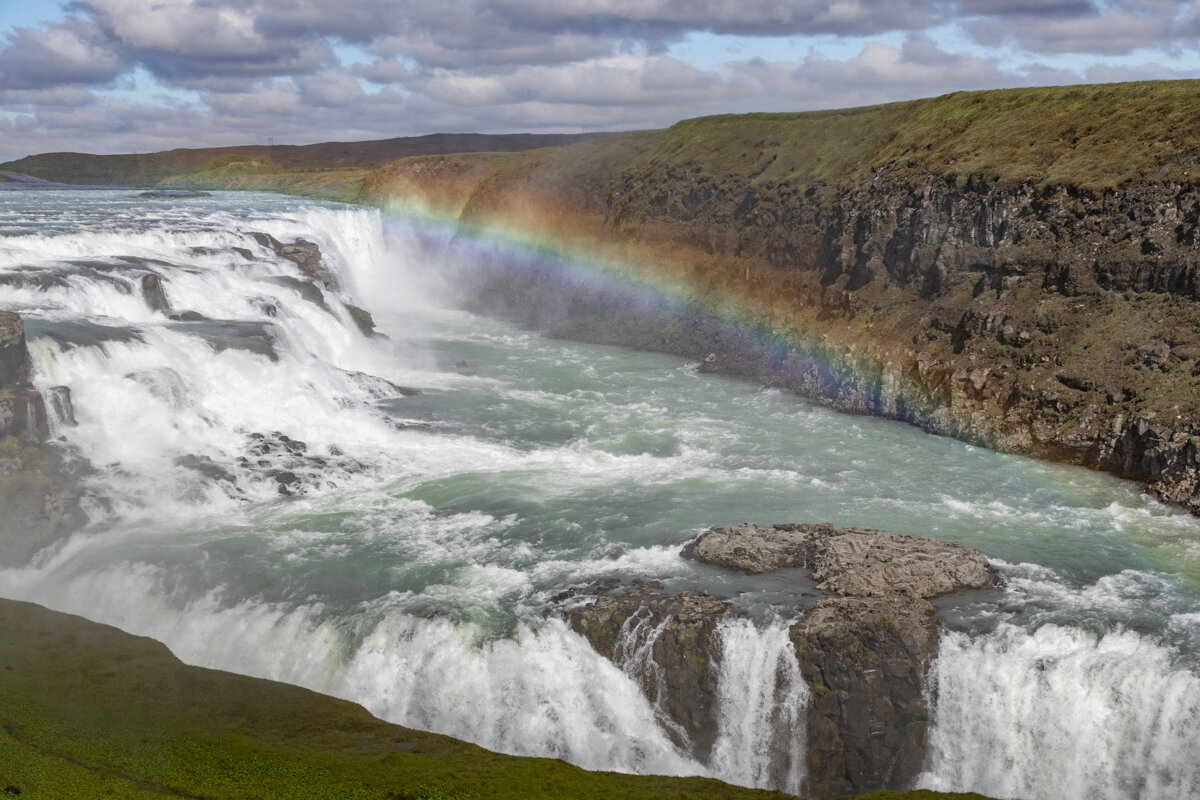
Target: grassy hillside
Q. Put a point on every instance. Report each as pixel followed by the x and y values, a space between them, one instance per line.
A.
pixel 1089 137
pixel 147 169
pixel 89 711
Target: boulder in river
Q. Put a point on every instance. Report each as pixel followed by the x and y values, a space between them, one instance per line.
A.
pixel 864 650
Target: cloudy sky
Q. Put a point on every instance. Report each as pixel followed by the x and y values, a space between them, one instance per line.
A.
pixel 107 76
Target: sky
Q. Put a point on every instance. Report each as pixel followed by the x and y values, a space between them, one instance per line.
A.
pixel 108 76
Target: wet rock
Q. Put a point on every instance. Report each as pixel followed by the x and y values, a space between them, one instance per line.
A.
pixel 206 467
pixel 864 650
pixel 363 320
pixel 668 644
pixel 14 359
pixel 854 562
pixel 307 289
pixel 23 414
pixel 304 254
pixel 40 499
pixel 288 482
pixel 864 653
pixel 865 661
pixel 292 445
pixel 188 316
pixel 39 496
pixel 153 294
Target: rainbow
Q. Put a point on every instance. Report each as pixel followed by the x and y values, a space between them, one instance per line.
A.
pixel 724 329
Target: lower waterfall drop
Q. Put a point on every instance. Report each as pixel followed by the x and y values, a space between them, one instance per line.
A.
pixel 762 699
pixel 1063 714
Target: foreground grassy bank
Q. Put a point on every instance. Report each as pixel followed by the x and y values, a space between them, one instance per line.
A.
pixel 89 711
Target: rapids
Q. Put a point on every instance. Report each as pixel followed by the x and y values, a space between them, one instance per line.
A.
pixel 387 519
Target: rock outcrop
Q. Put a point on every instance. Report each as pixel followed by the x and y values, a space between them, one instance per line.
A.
pixel 307 256
pixel 665 642
pixel 852 562
pixel 39 501
pixel 864 650
pixel 304 254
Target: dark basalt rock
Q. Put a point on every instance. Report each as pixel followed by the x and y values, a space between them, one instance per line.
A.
pixel 153 294
pixel 865 661
pixel 206 467
pixel 14 366
pixel 363 320
pixel 863 651
pixel 304 254
pixel 307 289
pixel 946 301
pixel 667 644
pixel 189 316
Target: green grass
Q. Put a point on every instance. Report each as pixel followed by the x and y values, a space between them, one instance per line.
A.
pixel 1088 136
pixel 87 711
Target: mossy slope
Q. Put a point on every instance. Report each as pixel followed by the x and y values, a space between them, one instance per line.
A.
pixel 88 711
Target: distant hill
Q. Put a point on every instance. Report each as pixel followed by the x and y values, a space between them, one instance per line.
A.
pixel 147 169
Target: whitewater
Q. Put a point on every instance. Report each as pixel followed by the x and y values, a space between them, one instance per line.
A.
pixel 389 518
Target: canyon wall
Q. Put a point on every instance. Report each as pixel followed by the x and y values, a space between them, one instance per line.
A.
pixel 1040 304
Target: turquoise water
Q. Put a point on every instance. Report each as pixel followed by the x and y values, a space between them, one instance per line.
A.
pixel 413 565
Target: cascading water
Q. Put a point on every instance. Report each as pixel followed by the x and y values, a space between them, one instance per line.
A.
pixel 762 700
pixel 271 497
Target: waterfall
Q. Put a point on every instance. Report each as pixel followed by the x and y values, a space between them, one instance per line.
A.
pixel 278 501
pixel 762 702
pixel 1063 713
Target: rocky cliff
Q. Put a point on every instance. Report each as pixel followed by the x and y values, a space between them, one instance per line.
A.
pixel 1017 269
pixel 864 650
pixel 40 501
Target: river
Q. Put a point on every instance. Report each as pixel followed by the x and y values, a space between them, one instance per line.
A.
pixel 387 519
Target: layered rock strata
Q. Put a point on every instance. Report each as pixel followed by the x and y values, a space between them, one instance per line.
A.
pixel 1045 306
pixel 864 650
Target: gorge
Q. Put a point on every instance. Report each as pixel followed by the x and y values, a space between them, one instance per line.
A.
pixel 344 480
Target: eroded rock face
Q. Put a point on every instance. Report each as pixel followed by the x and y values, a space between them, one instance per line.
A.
pixel 864 651
pixel 304 254
pixel 668 644
pixel 39 501
pixel 1056 321
pixel 14 367
pixel 865 661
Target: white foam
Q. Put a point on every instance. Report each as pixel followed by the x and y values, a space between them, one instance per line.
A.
pixel 762 697
pixel 1061 713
